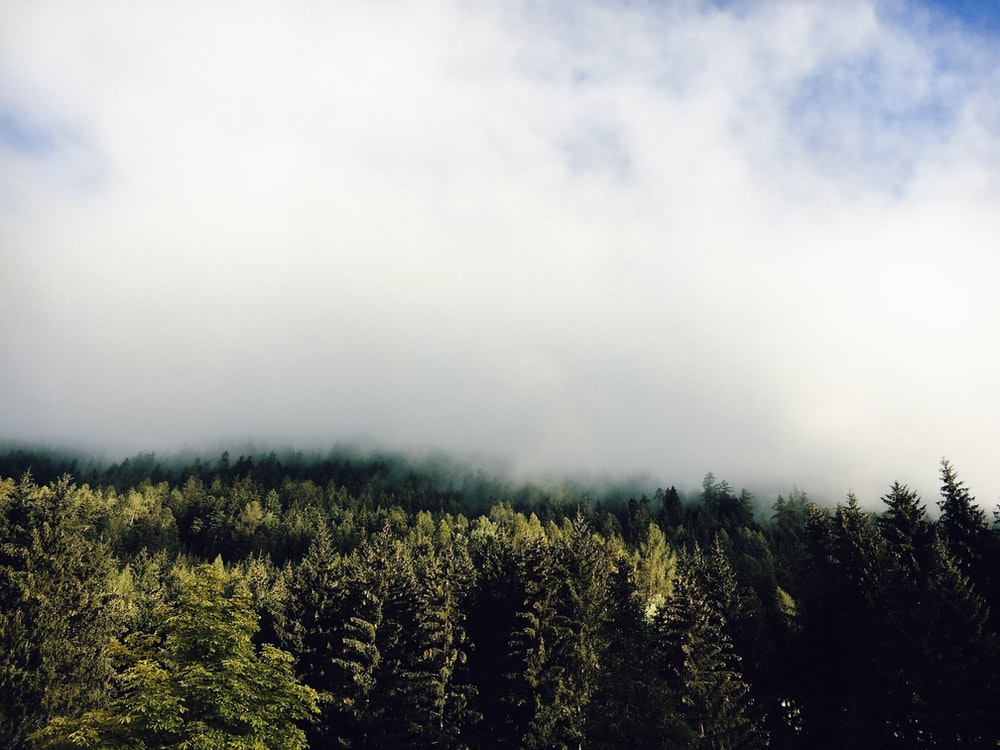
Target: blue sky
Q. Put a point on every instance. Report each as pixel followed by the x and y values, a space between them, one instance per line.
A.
pixel 979 15
pixel 24 137
pixel 757 239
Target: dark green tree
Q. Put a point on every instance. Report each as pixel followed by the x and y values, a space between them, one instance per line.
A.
pixel 444 688
pixel 502 697
pixel 633 706
pixel 701 669
pixel 565 635
pixel 840 638
pixel 787 539
pixel 670 513
pixel 377 697
pixel 962 522
pixel 955 680
pixel 313 627
pixel 58 618
pixel 907 531
pixel 937 660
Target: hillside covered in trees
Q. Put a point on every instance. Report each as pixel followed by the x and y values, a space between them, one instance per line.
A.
pixel 364 602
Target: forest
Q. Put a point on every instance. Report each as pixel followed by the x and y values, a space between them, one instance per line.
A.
pixel 372 601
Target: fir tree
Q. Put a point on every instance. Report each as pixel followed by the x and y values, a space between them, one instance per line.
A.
pixel 702 669
pixel 962 522
pixel 441 667
pixel 57 619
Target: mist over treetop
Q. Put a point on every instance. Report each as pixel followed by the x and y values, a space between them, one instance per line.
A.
pixel 753 238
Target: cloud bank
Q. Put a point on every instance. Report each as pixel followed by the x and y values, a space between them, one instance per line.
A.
pixel 756 238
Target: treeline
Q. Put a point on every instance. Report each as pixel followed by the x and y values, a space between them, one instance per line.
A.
pixel 361 602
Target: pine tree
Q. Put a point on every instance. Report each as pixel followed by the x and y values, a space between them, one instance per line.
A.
pixel 493 625
pixel 670 512
pixel 441 672
pixel 787 539
pixel 631 705
pixel 702 669
pixel 957 675
pixel 57 615
pixel 963 526
pixel 564 635
pixel 655 567
pixel 907 531
pixel 313 628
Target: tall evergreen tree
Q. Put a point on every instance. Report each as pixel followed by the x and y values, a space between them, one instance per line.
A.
pixel 655 567
pixel 702 669
pixel 962 522
pixel 906 530
pixel 564 636
pixel 840 627
pixel 956 677
pixel 440 671
pixel 633 703
pixel 787 539
pixel 314 625
pixel 493 624
pixel 57 619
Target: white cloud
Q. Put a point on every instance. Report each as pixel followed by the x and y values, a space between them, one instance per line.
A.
pixel 677 238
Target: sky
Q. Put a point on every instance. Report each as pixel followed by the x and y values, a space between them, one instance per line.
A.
pixel 760 239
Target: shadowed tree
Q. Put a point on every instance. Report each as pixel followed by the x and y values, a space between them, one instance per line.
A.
pixel 493 617
pixel 57 622
pixel 701 668
pixel 840 636
pixel 962 522
pixel 906 530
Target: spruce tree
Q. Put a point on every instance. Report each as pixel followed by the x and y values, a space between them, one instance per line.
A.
pixel 441 673
pixel 906 530
pixel 58 621
pixel 564 635
pixel 962 522
pixel 655 567
pixel 314 624
pixel 841 638
pixel 493 625
pixel 702 670
pixel 631 707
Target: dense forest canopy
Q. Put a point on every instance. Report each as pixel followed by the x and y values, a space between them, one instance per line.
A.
pixel 350 600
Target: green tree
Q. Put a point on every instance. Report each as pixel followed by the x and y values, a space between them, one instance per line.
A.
pixel 204 686
pixel 702 670
pixel 565 632
pixel 841 636
pixel 670 512
pixel 906 530
pixel 954 680
pixel 493 623
pixel 787 539
pixel 962 523
pixel 57 616
pixel 440 673
pixel 382 694
pixel 633 704
pixel 937 659
pixel 655 567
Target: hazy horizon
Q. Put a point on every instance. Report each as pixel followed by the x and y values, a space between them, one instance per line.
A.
pixel 618 238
